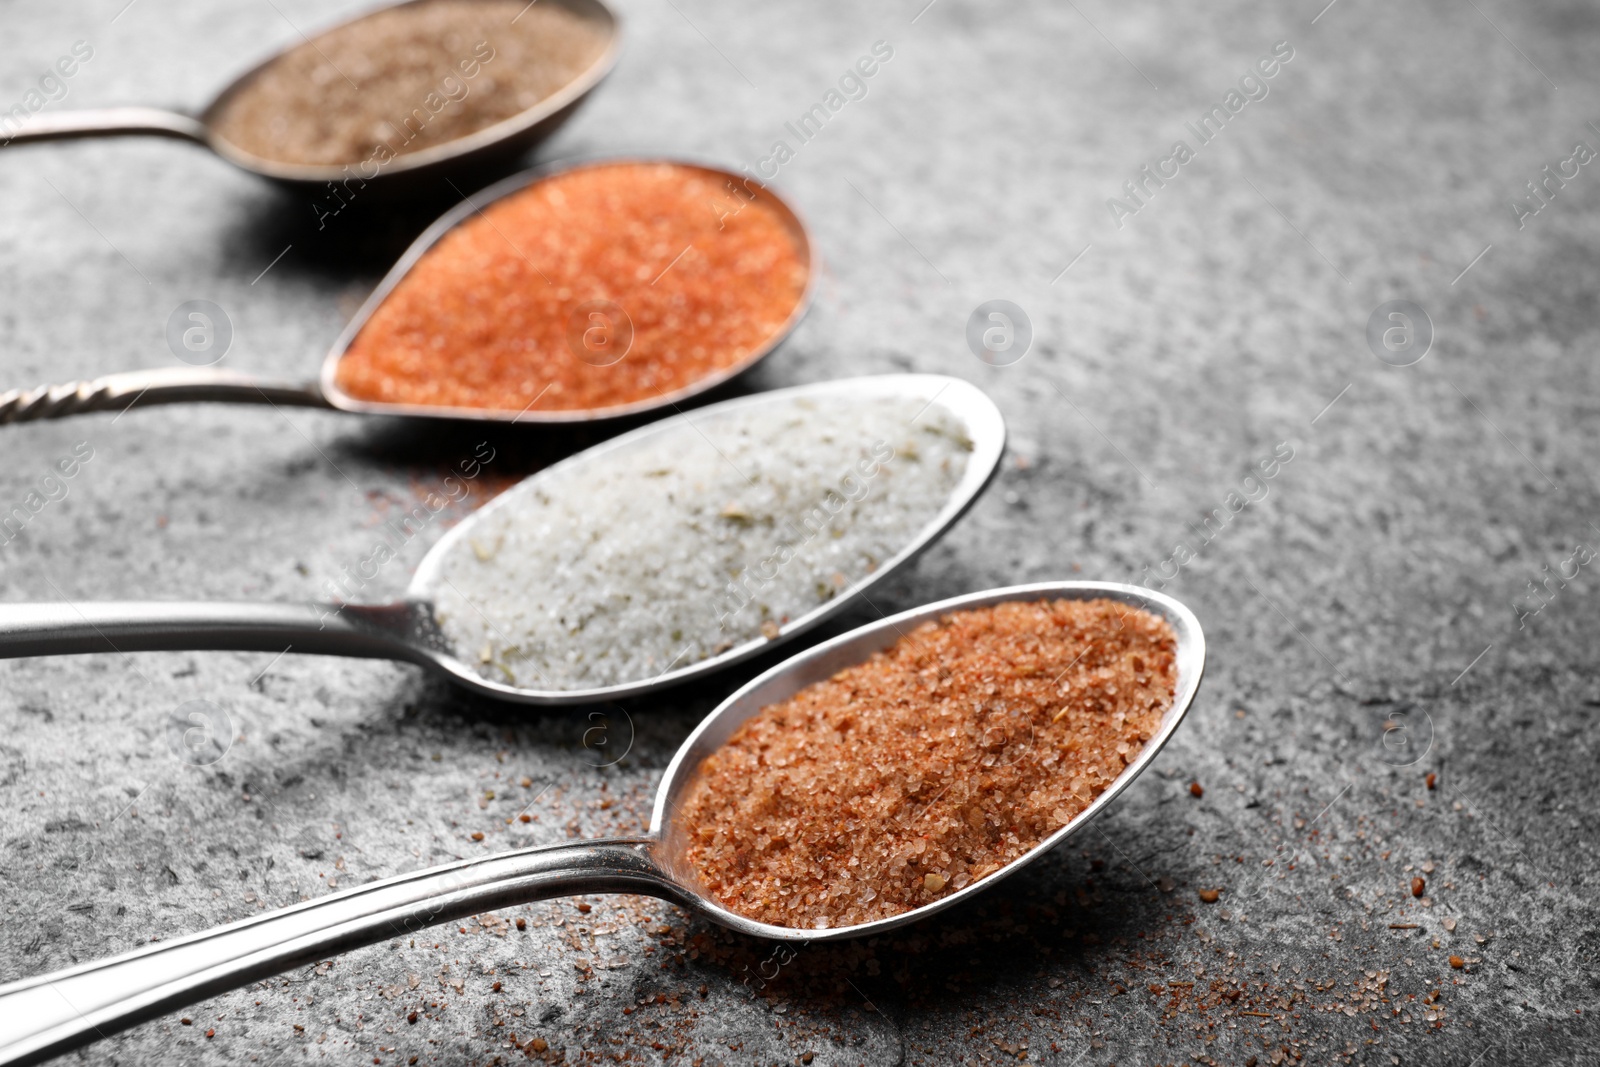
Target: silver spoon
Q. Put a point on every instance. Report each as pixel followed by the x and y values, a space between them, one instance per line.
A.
pixel 503 140
pixel 407 630
pixel 44 1016
pixel 175 385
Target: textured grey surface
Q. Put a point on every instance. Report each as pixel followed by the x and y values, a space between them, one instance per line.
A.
pixel 1223 318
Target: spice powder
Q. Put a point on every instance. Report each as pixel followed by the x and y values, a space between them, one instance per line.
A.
pixel 929 766
pixel 494 315
pixel 407 78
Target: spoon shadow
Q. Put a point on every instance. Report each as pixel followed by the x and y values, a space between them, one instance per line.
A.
pixel 337 230
pixel 400 442
pixel 1058 917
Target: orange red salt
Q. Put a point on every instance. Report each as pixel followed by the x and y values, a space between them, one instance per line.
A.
pixel 933 764
pixel 593 288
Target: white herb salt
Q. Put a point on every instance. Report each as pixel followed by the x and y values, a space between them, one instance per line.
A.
pixel 698 538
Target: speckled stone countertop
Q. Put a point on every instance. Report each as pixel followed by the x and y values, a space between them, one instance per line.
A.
pixel 1388 699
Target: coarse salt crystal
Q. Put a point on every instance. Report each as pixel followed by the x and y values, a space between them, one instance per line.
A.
pixel 610 568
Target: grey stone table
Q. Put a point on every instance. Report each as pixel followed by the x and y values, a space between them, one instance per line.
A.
pixel 1389 699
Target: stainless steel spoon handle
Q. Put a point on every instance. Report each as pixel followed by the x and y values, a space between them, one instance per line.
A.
pixel 169 385
pixel 48 1015
pixel 65 628
pixel 106 122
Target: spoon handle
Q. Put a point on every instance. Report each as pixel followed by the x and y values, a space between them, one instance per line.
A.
pixel 66 628
pixel 168 385
pixel 105 122
pixel 45 1016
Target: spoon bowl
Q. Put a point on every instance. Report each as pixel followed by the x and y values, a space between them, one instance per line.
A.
pixel 474 205
pixel 408 630
pixel 44 1016
pixel 172 385
pixel 403 174
pixel 829 658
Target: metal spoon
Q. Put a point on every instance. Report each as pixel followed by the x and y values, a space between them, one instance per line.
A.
pixel 503 140
pixel 44 1016
pixel 173 385
pixel 407 630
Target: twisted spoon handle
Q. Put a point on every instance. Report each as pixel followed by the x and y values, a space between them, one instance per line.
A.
pixel 105 122
pixel 172 385
pixel 45 1016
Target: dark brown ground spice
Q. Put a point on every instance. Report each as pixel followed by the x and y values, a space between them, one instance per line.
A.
pixel 931 765
pixel 407 78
